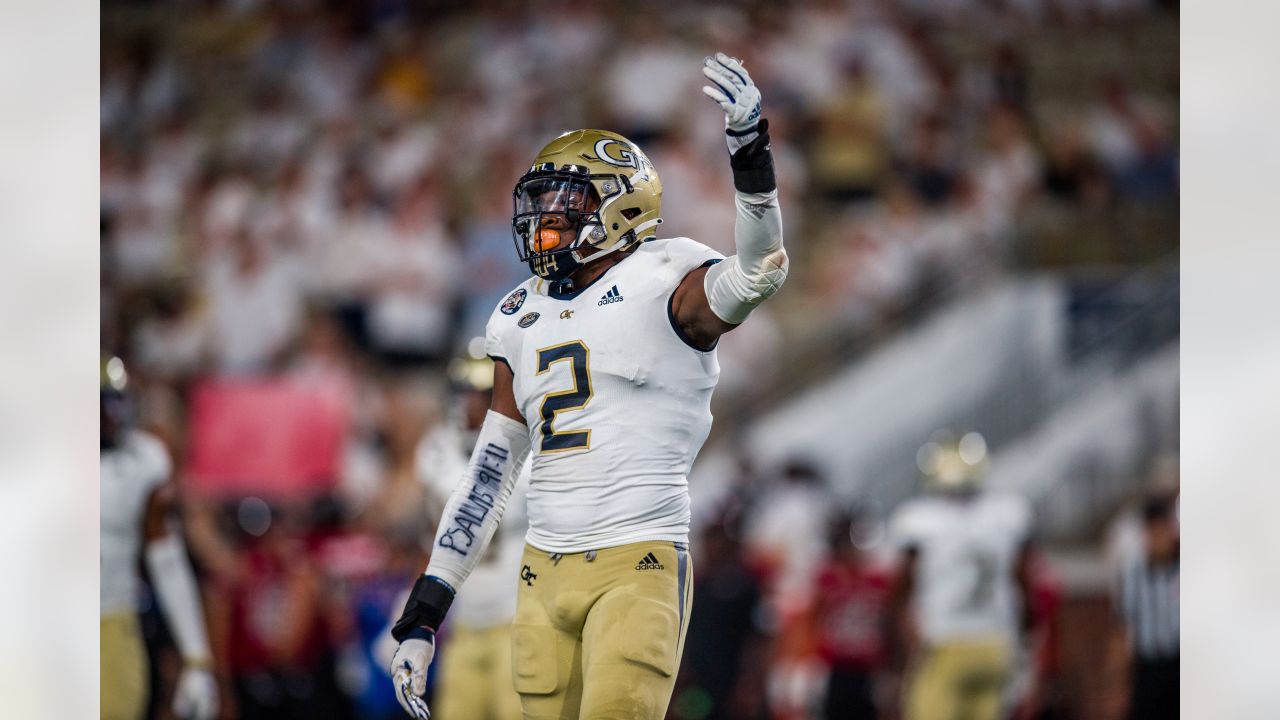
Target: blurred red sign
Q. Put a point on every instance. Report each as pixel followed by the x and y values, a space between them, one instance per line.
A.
pixel 270 437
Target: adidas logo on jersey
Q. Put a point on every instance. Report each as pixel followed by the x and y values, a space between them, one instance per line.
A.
pixel 612 296
pixel 649 562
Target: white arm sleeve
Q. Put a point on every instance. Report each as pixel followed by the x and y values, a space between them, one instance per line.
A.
pixel 175 586
pixel 735 286
pixel 476 505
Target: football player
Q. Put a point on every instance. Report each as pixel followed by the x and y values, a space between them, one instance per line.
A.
pixel 137 508
pixel 604 367
pixel 965 568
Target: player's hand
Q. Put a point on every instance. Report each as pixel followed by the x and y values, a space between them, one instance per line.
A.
pixel 409 672
pixel 196 696
pixel 733 89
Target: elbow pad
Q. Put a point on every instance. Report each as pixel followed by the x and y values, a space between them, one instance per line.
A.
pixel 737 285
pixel 474 509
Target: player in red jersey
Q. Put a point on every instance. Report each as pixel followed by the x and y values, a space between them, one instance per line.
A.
pixel 849 617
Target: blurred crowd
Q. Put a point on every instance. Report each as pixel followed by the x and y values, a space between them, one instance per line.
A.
pixel 319 194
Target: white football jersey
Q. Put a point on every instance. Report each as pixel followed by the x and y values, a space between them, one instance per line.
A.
pixel 487 599
pixel 128 474
pixel 617 403
pixel 965 586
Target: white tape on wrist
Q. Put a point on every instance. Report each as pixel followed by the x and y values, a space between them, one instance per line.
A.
pixel 474 509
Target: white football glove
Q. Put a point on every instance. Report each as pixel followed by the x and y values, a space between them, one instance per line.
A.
pixel 409 673
pixel 733 89
pixel 196 696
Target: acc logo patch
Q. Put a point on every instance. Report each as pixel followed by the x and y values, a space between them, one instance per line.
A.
pixel 528 319
pixel 513 302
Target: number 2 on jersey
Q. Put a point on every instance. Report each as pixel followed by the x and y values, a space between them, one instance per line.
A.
pixel 578 356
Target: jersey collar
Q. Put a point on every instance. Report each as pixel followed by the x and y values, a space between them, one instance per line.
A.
pixel 558 291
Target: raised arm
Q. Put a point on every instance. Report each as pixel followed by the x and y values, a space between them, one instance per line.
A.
pixel 712 301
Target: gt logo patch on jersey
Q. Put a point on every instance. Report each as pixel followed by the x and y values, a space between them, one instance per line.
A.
pixel 514 301
pixel 528 319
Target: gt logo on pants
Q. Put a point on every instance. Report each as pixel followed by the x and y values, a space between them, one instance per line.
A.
pixel 527 575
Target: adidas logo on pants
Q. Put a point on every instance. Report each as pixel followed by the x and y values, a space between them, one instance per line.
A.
pixel 649 562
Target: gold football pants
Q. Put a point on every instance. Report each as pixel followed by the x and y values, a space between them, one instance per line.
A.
pixel 122 667
pixel 598 635
pixel 475 676
pixel 960 680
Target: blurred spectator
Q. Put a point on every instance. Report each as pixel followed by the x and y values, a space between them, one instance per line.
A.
pixel 1037 689
pixel 402 81
pixel 786 532
pixel 929 164
pixel 1009 77
pixel 413 280
pixel 1114 124
pixel 1006 171
pixel 488 248
pixel 408 410
pixel 373 601
pixel 1071 173
pixel 725 652
pixel 254 307
pixel 847 156
pixel 650 58
pixel 170 343
pixel 278 646
pixel 1153 175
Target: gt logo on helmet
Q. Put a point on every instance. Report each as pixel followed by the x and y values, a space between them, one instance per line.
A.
pixel 625 158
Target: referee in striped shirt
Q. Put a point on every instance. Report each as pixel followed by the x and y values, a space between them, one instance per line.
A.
pixel 1147 609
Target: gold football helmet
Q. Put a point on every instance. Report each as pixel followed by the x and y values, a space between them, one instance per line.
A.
pixel 954 465
pixel 588 193
pixel 113 401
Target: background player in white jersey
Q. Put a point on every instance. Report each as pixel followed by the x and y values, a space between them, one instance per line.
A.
pixel 965 570
pixel 137 503
pixel 605 364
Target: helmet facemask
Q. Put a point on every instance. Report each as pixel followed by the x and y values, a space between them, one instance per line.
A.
pixel 588 194
pixel 557 223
